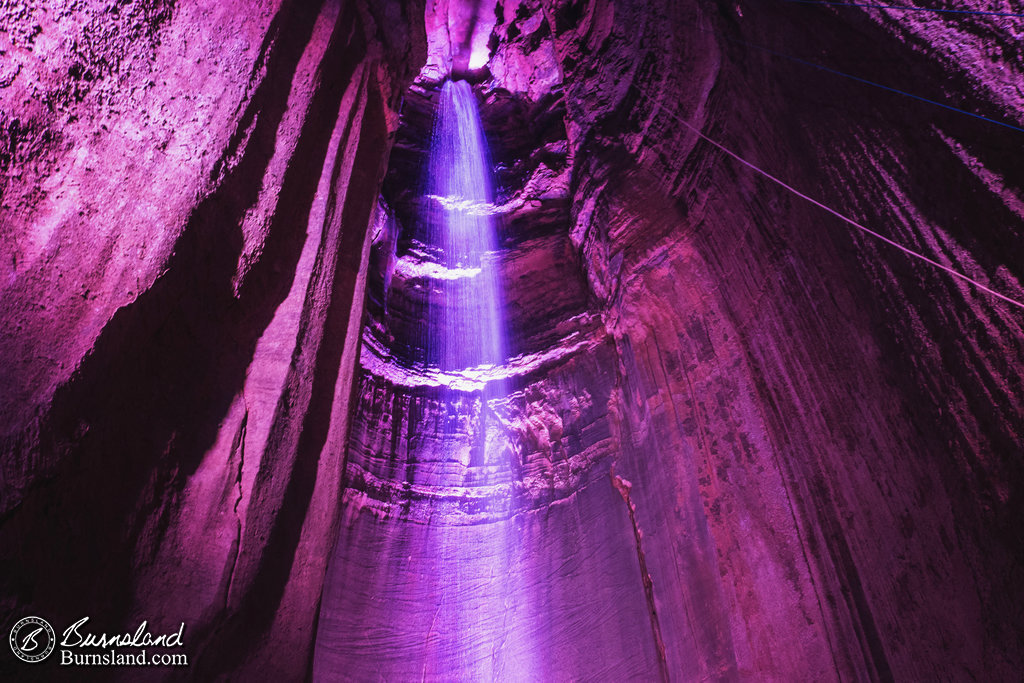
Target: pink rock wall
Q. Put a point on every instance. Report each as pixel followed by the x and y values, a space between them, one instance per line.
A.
pixel 751 442
pixel 807 439
pixel 187 190
pixel 822 434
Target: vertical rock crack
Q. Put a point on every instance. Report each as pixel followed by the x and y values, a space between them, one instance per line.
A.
pixel 237 452
pixel 624 486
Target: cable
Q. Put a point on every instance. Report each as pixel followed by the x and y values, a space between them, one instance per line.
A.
pixel 766 174
pixel 858 79
pixel 901 92
pixel 903 7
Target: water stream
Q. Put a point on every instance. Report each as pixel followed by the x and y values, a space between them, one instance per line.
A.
pixel 469 330
pixel 421 584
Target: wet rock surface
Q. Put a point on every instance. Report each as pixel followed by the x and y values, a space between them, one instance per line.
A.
pixel 737 439
pixel 183 254
pixel 803 477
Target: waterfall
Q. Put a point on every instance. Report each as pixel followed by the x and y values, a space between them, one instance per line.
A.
pixel 468 331
pixel 453 608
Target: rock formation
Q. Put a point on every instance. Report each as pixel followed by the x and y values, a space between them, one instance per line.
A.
pixel 750 437
pixel 187 190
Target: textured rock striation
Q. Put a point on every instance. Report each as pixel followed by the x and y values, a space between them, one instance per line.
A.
pixel 799 443
pixel 186 193
pixel 737 438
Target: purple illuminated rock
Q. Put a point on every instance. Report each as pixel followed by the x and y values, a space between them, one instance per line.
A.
pixel 187 189
pixel 743 440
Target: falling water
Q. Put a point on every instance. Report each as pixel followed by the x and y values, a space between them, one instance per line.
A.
pixel 470 331
pixel 442 600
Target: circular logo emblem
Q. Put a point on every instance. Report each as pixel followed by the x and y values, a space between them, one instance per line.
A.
pixel 32 639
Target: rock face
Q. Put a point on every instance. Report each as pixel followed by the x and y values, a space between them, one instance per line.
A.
pixel 738 437
pixel 186 194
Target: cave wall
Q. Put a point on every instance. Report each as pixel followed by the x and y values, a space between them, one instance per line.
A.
pixel 822 434
pixel 187 191
pixel 753 442
pixel 800 443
